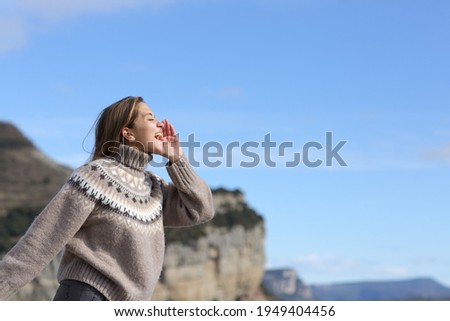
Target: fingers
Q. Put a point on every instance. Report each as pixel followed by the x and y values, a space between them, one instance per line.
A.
pixel 172 132
pixel 165 128
pixel 171 147
pixel 169 130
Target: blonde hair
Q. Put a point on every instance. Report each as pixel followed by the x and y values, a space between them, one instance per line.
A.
pixel 109 125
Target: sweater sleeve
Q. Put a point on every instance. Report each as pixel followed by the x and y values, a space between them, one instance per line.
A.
pixel 44 239
pixel 188 201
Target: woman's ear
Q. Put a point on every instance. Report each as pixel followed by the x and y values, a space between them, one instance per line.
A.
pixel 128 134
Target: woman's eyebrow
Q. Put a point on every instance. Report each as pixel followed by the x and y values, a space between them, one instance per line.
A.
pixel 150 114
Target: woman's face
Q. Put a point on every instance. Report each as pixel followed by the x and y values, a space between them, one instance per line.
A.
pixel 147 132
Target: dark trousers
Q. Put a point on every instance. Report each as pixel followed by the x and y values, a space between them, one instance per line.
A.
pixel 71 290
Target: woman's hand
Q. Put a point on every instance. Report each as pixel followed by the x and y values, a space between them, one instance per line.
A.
pixel 171 143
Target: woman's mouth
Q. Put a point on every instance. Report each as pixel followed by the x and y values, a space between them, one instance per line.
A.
pixel 159 136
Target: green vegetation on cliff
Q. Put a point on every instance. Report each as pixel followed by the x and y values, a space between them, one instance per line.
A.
pixel 231 215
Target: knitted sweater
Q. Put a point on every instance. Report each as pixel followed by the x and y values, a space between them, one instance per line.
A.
pixel 109 218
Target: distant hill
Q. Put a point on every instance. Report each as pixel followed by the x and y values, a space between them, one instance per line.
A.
pixel 415 289
pixel 284 284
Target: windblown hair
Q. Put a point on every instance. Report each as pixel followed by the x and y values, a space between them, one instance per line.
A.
pixel 108 130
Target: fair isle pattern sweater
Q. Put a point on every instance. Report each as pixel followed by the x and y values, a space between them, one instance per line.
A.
pixel 109 219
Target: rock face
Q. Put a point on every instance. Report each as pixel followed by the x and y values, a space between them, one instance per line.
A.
pixel 221 260
pixel 227 260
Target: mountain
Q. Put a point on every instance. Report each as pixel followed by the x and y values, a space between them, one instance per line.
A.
pixel 223 259
pixel 28 178
pixel 415 289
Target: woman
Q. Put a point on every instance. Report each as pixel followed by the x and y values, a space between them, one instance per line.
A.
pixel 110 214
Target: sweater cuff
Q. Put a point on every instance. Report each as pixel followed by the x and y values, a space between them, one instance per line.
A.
pixel 5 290
pixel 181 173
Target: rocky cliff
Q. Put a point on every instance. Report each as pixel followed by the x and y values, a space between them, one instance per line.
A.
pixel 28 178
pixel 221 260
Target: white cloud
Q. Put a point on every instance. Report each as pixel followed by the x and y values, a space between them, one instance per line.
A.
pixel 326 268
pixel 64 89
pixel 20 19
pixel 13 34
pixel 230 92
pixel 403 161
pixel 391 271
pixel 327 263
pixel 62 9
pixel 226 92
pixel 439 154
pixel 376 164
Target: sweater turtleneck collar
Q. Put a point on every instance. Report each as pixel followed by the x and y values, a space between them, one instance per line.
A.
pixel 132 157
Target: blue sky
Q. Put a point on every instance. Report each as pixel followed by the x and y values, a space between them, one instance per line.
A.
pixel 374 73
